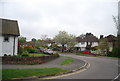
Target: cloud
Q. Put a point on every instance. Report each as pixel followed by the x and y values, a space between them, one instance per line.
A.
pixel 37 17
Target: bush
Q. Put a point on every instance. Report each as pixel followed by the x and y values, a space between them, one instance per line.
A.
pixel 9 55
pixel 29 49
pixel 20 50
pixel 56 54
pixel 115 52
pixel 25 53
pixel 5 54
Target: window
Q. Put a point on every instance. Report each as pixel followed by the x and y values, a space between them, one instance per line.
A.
pixel 6 39
pixel 82 43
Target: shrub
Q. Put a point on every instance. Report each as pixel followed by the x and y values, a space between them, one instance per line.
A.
pixel 5 54
pixel 20 50
pixel 25 53
pixel 56 53
pixel 9 55
pixel 115 52
pixel 29 49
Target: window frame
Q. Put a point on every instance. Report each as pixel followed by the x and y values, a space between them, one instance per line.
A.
pixel 6 38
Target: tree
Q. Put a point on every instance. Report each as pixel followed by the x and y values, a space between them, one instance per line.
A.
pixel 64 38
pixel 33 40
pixel 82 36
pixel 103 46
pixel 41 43
pixel 22 40
pixel 44 37
pixel 72 41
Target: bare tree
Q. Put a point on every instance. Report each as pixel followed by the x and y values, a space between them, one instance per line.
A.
pixel 44 37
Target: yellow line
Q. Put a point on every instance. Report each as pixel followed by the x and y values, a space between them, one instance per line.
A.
pixel 68 74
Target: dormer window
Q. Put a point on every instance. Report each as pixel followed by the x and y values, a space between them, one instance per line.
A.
pixel 6 38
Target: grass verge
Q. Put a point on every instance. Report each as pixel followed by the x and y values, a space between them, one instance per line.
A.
pixel 67 61
pixel 36 54
pixel 20 73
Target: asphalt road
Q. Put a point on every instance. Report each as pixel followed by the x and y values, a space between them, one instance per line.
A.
pixel 100 68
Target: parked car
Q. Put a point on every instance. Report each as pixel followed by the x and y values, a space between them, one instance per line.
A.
pixel 85 52
pixel 48 51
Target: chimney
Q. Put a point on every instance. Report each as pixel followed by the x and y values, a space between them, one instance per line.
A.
pixel 101 36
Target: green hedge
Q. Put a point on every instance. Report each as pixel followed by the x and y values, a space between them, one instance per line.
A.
pixel 115 52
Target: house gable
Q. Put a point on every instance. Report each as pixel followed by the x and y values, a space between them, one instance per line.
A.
pixel 8 37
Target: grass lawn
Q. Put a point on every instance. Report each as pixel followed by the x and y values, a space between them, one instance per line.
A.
pixel 20 73
pixel 37 54
pixel 83 54
pixel 67 61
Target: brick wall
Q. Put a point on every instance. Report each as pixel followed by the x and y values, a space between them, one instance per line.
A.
pixel 27 60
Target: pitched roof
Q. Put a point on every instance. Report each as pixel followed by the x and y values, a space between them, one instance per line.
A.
pixel 111 38
pixel 9 27
pixel 87 38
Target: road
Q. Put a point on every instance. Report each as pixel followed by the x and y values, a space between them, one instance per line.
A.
pixel 100 68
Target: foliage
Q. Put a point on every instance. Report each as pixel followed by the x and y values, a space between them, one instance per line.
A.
pixel 9 55
pixel 44 37
pixel 72 41
pixel 41 43
pixel 22 40
pixel 20 73
pixel 29 49
pixel 56 53
pixel 25 53
pixel 33 40
pixel 64 38
pixel 20 50
pixel 115 52
pixel 103 45
pixel 5 54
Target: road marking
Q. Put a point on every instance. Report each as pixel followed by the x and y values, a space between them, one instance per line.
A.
pixel 64 75
pixel 116 77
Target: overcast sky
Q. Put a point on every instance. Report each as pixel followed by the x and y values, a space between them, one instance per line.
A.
pixel 39 17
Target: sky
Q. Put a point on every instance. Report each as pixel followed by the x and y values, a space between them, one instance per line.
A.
pixel 47 17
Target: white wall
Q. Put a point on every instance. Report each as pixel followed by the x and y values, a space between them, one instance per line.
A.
pixel 7 47
pixel 81 45
pixel 94 44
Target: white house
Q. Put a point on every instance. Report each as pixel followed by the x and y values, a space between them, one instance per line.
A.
pixel 9 32
pixel 87 42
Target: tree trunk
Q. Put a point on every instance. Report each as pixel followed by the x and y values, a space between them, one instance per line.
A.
pixel 63 48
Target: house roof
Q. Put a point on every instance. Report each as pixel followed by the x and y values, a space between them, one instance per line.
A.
pixel 87 38
pixel 111 38
pixel 9 27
